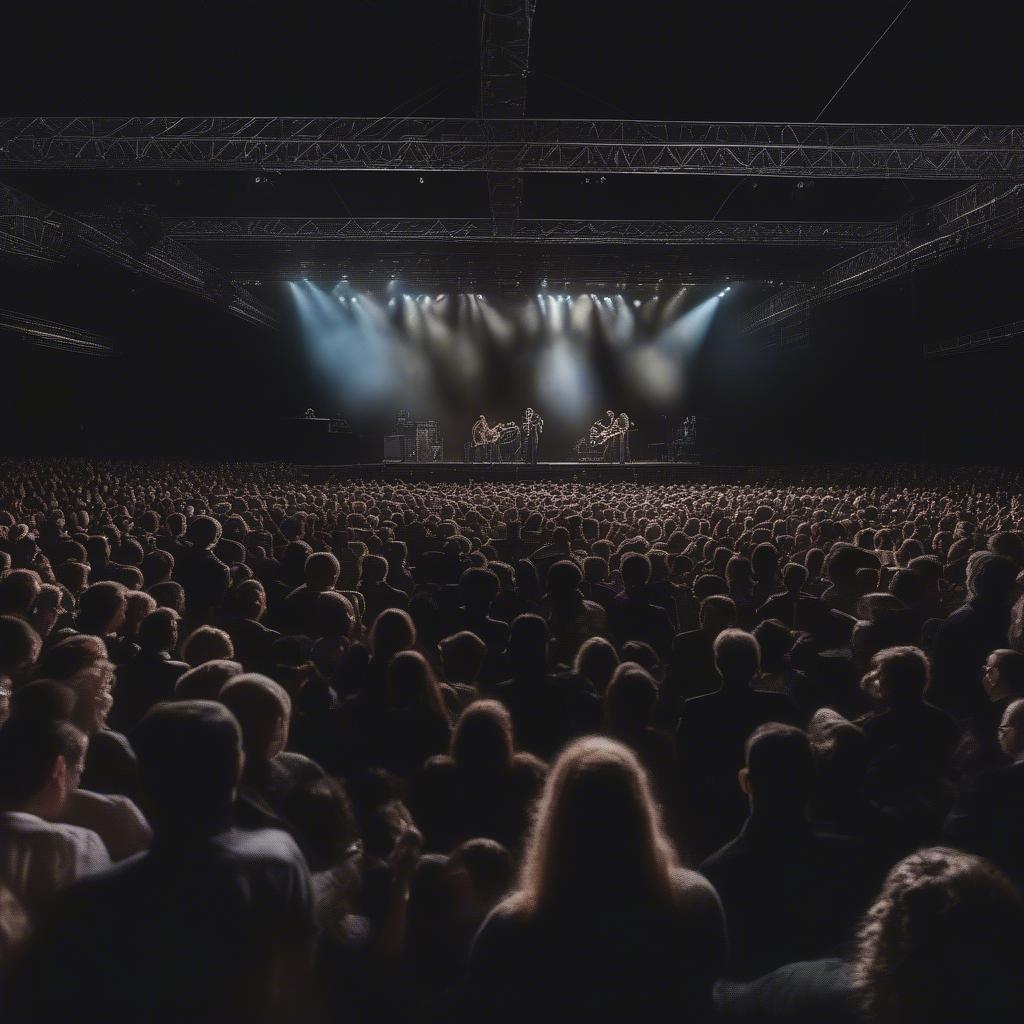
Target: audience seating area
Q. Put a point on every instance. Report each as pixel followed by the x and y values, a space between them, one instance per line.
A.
pixel 372 750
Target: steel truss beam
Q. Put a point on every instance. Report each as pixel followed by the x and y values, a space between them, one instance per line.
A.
pixel 564 232
pixel 35 233
pixel 972 342
pixel 504 63
pixel 25 223
pixel 51 334
pixel 968 152
pixel 486 266
pixel 984 212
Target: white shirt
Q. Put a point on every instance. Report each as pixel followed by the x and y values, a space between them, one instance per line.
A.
pixel 115 819
pixel 39 858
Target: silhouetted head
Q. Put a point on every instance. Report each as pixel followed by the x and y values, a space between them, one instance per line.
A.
pixel 19 648
pixel 207 643
pixel 482 741
pixel 779 770
pixel 596 831
pixel 942 943
pixel 190 759
pixel 596 660
pixel 101 608
pixel 159 630
pixel 263 710
pixel 528 642
pixel 737 657
pixel 204 682
pixel 636 572
pixel 392 631
pixel 990 578
pixel 40 762
pixel 631 699
pixel 899 676
pixel 462 656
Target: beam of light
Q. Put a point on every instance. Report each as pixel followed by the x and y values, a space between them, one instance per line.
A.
pixel 579 317
pixel 354 352
pixel 566 385
pixel 658 370
pixel 624 323
pixel 555 310
pixel 670 309
pixel 688 332
pixel 500 328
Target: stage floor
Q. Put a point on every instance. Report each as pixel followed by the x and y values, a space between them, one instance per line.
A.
pixel 638 472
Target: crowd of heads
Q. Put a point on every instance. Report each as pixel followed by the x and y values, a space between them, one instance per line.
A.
pixel 390 750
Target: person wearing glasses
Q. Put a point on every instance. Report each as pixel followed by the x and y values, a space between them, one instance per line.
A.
pixel 988 815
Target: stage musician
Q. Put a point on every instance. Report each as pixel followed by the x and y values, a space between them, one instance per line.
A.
pixel 533 427
pixel 604 433
pixel 623 425
pixel 484 438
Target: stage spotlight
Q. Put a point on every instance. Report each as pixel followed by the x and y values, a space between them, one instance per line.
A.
pixel 636 303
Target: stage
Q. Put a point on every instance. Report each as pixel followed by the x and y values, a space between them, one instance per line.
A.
pixel 631 472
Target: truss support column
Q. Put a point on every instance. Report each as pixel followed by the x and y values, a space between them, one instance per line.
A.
pixel 504 65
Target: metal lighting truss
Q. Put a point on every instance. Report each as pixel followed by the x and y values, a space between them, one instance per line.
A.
pixel 50 334
pixel 981 213
pixel 972 342
pixel 504 63
pixel 515 145
pixel 34 232
pixel 567 232
pixel 25 224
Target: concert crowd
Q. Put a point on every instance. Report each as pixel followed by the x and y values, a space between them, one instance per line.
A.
pixel 380 750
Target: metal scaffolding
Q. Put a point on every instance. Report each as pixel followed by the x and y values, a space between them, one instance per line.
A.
pixel 973 342
pixel 979 214
pixel 504 62
pixel 51 334
pixel 27 223
pixel 826 234
pixel 515 145
pixel 32 233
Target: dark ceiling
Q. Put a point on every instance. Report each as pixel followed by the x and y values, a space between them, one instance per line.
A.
pixel 941 62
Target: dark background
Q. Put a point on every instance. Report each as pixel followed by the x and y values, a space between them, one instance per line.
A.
pixel 188 379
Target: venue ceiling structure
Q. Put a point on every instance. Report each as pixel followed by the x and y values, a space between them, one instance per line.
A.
pixel 227 256
pixel 514 145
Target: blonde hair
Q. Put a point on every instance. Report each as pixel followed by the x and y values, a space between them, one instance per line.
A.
pixel 597 833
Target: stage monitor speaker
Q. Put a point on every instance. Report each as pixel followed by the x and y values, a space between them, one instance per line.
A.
pixel 394 448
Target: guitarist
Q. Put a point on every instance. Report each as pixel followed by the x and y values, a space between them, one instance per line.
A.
pixel 483 436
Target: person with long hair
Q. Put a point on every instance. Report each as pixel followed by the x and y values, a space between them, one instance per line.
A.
pixel 605 924
pixel 482 786
pixel 418 725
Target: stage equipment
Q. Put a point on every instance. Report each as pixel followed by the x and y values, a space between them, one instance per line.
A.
pixel 429 441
